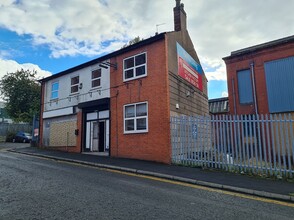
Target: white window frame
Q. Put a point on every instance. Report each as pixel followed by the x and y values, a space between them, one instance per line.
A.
pixel 93 79
pixel 54 91
pixel 134 67
pixel 73 85
pixel 135 119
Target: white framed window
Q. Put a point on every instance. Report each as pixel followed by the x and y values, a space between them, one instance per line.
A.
pixel 54 90
pixel 136 118
pixel 135 67
pixel 74 84
pixel 96 78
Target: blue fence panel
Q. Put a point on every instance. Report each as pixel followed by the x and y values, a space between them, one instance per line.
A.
pixel 256 144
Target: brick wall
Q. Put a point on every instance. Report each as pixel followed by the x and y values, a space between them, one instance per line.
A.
pixel 155 144
pixel 196 102
pixel 80 133
pixel 243 62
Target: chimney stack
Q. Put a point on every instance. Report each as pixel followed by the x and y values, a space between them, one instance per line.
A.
pixel 180 17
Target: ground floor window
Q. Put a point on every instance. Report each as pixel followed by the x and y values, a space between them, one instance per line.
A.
pixel 59 131
pixel 136 118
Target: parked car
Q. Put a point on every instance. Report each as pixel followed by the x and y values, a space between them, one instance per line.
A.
pixel 22 137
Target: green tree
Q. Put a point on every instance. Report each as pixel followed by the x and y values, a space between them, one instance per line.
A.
pixel 22 93
pixel 134 41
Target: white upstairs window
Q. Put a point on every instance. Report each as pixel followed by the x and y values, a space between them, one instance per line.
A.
pixel 135 67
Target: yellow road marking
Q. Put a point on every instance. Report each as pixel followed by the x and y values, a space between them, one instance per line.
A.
pixel 174 182
pixel 204 188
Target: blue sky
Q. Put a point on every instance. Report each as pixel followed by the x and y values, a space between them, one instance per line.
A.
pixel 51 35
pixel 21 50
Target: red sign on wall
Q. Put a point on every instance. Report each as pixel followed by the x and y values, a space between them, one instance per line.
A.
pixel 190 74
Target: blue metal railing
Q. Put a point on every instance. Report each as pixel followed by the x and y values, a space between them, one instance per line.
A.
pixel 258 144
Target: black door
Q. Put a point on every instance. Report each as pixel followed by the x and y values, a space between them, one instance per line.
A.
pixel 101 136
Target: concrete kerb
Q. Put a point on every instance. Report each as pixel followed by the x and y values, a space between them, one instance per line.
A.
pixel 170 177
pixel 159 175
pixel 105 166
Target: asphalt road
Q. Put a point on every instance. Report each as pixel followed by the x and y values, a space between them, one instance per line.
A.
pixel 34 188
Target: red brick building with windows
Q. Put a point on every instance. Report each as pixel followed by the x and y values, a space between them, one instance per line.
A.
pixel 124 111
pixel 261 78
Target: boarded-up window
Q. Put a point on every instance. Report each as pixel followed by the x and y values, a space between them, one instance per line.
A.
pixel 245 87
pixel 279 76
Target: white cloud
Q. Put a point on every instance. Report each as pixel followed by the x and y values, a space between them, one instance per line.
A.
pixel 217 28
pixel 214 69
pixel 10 66
pixel 4 54
pixel 69 27
pixel 211 63
pixel 93 27
pixel 72 27
pixel 76 27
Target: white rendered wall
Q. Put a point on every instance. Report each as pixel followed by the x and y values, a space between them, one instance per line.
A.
pixel 85 94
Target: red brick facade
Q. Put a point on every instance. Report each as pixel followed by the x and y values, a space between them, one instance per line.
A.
pixel 164 91
pixel 155 144
pixel 78 147
pixel 257 57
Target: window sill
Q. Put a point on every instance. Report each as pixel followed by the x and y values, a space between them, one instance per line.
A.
pixel 95 88
pixel 74 94
pixel 134 78
pixel 136 132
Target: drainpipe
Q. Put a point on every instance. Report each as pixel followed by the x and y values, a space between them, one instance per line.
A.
pixel 234 96
pixel 253 85
pixel 116 123
pixel 39 141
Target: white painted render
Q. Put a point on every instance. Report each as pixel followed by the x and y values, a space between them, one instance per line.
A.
pixel 85 93
pixel 58 112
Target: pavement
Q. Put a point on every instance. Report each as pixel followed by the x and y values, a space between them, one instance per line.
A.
pixel 252 185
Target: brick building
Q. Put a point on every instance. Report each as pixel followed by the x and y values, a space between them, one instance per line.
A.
pixel 261 78
pixel 120 104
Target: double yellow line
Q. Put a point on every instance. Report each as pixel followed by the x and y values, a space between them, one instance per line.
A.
pixel 225 192
pixel 245 196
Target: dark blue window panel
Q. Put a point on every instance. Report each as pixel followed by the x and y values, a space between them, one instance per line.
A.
pixel 279 76
pixel 245 87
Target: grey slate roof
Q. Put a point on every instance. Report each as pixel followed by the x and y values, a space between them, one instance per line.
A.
pixel 219 106
pixel 258 47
